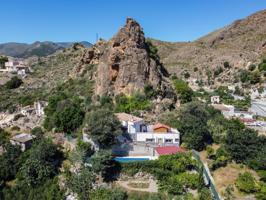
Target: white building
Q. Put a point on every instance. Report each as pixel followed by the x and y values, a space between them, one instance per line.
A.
pixel 159 134
pixel 39 107
pixel 131 123
pixel 215 99
pixel 16 67
pixel 24 140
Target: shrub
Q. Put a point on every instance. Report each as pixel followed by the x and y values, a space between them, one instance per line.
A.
pixel 108 194
pixel 195 69
pixel 15 128
pixel 218 71
pixel 210 151
pixel 205 194
pixel 15 82
pixel 255 77
pixel 186 75
pixel 17 117
pixel 262 175
pixel 244 76
pixel 247 183
pixel 152 50
pixel 149 91
pixel 106 101
pixel 262 65
pixel 226 64
pixel 251 67
pixel 135 102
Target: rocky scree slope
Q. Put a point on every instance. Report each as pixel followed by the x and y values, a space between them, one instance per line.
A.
pixel 240 44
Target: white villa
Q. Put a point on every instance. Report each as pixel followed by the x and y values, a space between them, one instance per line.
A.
pixel 158 134
pixel 131 123
pixel 17 67
pixel 215 99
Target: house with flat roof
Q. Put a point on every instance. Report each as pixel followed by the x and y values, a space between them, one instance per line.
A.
pixel 160 135
pixel 15 66
pixel 139 132
pixel 24 140
pixel 215 99
pixel 131 123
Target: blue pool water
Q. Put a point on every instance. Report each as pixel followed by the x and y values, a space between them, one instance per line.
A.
pixel 126 159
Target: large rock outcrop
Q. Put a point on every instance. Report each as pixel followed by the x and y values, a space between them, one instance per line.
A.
pixel 125 63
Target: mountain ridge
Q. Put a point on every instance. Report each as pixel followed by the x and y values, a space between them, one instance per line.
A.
pixel 37 48
pixel 240 44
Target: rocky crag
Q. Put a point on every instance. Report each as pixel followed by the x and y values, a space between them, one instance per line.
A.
pixel 125 64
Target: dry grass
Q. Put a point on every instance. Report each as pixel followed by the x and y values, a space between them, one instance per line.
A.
pixel 138 184
pixel 203 154
pixel 226 176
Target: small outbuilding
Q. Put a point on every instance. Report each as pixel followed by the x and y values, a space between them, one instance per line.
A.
pixel 24 140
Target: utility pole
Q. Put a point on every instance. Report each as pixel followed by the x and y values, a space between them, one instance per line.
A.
pixel 97 37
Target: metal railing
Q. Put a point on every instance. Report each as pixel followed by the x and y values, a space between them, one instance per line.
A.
pixel 207 174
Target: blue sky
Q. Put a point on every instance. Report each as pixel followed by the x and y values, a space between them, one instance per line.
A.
pixel 76 20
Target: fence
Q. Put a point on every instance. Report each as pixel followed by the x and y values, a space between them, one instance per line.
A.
pixel 207 176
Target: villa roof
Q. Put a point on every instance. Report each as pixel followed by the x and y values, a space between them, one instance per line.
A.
pixel 160 125
pixel 23 137
pixel 220 107
pixel 168 150
pixel 128 117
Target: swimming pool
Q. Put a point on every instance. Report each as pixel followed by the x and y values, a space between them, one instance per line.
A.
pixel 130 159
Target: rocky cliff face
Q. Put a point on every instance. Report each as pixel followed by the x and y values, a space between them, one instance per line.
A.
pixel 124 63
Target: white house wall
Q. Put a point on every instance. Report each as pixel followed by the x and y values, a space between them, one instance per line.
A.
pixel 142 137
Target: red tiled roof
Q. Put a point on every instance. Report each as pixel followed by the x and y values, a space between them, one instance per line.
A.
pixel 169 150
pixel 159 125
pixel 247 120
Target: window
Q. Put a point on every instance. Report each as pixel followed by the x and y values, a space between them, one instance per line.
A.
pixel 168 140
pixel 176 140
pixel 149 140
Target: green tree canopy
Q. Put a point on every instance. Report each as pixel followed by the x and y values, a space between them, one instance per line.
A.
pixel 82 183
pixel 41 163
pixel 103 127
pixel 193 120
pixel 247 183
pixel 102 162
pixel 64 114
pixel 14 83
pixel 9 162
pixel 245 146
pixel 184 92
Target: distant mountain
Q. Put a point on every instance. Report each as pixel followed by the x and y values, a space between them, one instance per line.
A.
pixel 69 44
pixel 23 50
pixel 240 44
